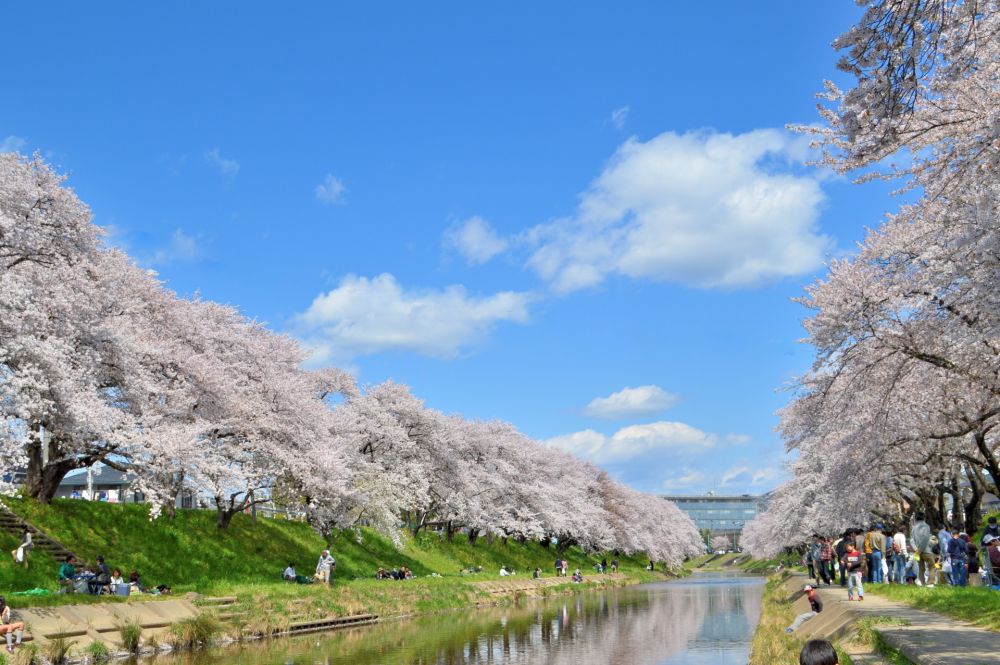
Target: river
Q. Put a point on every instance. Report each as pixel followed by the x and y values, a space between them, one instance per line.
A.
pixel 708 618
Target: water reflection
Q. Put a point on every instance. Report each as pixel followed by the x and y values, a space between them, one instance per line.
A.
pixel 704 619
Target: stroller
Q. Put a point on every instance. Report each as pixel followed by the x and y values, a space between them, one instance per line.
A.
pixel 991 576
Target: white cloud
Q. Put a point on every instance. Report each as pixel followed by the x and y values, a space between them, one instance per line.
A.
pixel 634 440
pixel 476 240
pixel 702 209
pixel 229 168
pixel 738 438
pixel 765 476
pixel 364 316
pixel 631 403
pixel 331 190
pixel 181 247
pixel 12 144
pixel 686 481
pixel 736 473
pixel 618 117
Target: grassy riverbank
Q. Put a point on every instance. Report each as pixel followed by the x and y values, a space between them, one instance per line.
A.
pixel 189 553
pixel 771 644
pixel 977 605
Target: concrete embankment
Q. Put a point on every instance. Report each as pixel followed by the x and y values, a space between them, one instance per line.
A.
pixel 925 638
pixel 83 624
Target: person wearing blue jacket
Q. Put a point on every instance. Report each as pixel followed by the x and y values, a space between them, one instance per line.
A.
pixel 959 553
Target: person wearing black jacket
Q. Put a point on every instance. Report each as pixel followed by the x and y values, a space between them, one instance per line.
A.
pixel 101 579
pixel 840 549
pixel 992 529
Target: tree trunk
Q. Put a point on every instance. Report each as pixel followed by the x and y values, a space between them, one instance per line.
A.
pixel 42 481
pixel 992 465
pixel 545 542
pixel 564 544
pixel 975 501
pixel 473 536
pixel 225 517
pixel 226 510
pixel 942 510
pixel 450 531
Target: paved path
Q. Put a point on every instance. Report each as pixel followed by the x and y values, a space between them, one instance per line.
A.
pixel 928 639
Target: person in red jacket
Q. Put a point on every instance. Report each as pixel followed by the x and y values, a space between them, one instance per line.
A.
pixel 855 563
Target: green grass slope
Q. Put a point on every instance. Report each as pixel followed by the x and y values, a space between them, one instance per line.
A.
pixel 190 553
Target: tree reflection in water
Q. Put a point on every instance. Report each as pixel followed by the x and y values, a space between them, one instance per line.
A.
pixel 712 616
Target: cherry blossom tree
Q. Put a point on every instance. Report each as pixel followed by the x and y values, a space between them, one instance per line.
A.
pixel 904 390
pixel 100 362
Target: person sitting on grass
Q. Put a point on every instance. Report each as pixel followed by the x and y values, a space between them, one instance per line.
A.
pixel 818 652
pixel 504 572
pixel 537 573
pixel 116 577
pixel 577 576
pixel 102 577
pixel 8 627
pixel 67 574
pixel 135 582
pixel 289 575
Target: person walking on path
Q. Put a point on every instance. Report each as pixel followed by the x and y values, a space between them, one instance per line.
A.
pixel 855 562
pixel 818 652
pixel 920 537
pixel 900 555
pixel 840 549
pixel 826 560
pixel 958 552
pixel 20 555
pixel 877 542
pixel 325 567
pixel 815 550
pixel 8 627
pixel 944 537
pixel 815 607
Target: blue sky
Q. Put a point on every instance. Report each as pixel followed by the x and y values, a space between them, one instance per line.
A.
pixel 586 219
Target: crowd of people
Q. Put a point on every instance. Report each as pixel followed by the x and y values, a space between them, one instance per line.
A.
pixel 905 554
pixel 401 573
pixel 102 579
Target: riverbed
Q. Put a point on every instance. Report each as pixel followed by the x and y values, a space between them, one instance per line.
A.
pixel 708 618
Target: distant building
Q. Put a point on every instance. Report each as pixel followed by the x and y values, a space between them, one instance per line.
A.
pixel 107 484
pixel 722 515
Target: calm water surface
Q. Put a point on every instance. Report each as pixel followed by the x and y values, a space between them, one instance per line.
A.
pixel 706 618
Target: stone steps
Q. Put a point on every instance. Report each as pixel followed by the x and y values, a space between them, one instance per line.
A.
pixel 41 541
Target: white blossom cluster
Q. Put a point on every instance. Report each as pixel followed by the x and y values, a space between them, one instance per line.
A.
pixel 100 362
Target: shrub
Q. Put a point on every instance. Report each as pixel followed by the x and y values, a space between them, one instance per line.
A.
pixel 199 629
pixel 131 634
pixel 97 651
pixel 26 655
pixel 56 649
